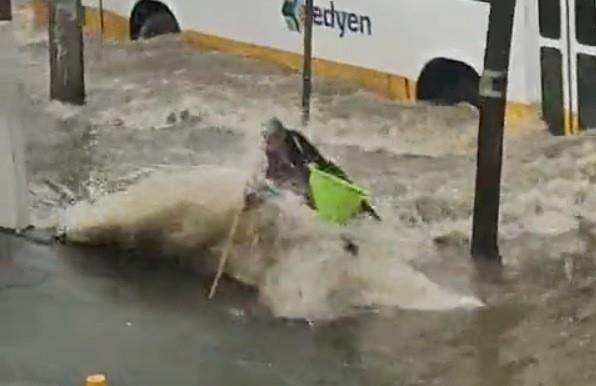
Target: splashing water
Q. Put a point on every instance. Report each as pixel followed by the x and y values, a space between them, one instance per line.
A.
pixel 122 170
pixel 295 260
pixel 417 160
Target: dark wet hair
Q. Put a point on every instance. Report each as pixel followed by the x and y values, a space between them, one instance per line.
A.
pixel 274 127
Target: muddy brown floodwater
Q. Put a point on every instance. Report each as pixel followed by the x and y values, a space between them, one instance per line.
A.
pixel 408 309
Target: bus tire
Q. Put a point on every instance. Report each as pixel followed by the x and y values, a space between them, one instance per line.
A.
pixel 160 23
pixel 466 89
pixel 448 82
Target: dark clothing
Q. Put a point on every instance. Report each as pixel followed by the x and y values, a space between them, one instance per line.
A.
pixel 288 158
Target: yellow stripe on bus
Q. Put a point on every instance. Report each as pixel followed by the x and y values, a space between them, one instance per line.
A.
pixel 115 26
pixel 571 123
pixel 521 114
pixel 39 10
pixel 389 85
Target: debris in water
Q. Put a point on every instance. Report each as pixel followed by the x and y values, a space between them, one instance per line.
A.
pixel 237 312
pixel 171 119
pixel 96 380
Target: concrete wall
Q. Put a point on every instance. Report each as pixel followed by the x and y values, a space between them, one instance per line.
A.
pixel 13 186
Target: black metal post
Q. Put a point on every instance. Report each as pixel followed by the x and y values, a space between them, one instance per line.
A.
pixel 101 19
pixel 5 10
pixel 67 72
pixel 307 66
pixel 493 94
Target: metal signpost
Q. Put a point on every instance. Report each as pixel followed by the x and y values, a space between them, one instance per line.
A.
pixel 298 15
pixel 307 66
pixel 493 94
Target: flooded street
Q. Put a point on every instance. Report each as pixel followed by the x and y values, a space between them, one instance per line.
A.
pixel 97 310
pixel 153 168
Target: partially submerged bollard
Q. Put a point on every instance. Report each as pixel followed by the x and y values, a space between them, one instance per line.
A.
pixel 13 185
pixel 67 70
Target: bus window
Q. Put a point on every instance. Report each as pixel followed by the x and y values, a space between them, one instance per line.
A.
pixel 550 18
pixel 586 84
pixel 552 80
pixel 585 22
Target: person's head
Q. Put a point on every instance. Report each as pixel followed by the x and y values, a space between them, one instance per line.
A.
pixel 274 134
pixel 273 128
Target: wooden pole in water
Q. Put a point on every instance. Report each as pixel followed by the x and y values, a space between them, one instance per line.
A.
pixel 307 66
pixel 493 95
pixel 67 71
pixel 5 10
pixel 225 253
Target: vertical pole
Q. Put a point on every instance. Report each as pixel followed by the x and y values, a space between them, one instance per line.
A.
pixel 14 197
pixel 307 66
pixel 493 93
pixel 67 78
pixel 101 19
pixel 5 10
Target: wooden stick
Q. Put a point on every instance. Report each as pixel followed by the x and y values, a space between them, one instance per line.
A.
pixel 224 254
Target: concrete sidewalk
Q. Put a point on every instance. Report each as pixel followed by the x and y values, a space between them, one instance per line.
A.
pixel 65 313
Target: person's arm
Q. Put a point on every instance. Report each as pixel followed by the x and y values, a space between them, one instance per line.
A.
pixel 310 154
pixel 366 207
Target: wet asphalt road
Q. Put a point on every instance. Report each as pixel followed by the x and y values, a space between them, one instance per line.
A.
pixel 66 313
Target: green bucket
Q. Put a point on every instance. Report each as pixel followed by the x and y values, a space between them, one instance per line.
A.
pixel 335 199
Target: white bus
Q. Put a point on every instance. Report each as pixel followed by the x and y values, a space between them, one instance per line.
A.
pixel 404 49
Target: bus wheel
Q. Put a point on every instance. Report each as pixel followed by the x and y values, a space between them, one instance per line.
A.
pixel 159 23
pixel 447 82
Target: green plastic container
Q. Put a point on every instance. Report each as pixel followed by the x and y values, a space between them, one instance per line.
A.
pixel 335 199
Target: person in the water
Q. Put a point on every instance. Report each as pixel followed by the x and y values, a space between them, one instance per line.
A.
pixel 288 155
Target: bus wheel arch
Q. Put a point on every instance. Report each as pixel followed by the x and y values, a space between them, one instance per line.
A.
pixel 151 18
pixel 447 81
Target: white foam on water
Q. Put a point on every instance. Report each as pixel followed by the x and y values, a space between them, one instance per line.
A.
pixel 189 209
pixel 297 262
pixel 25 30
